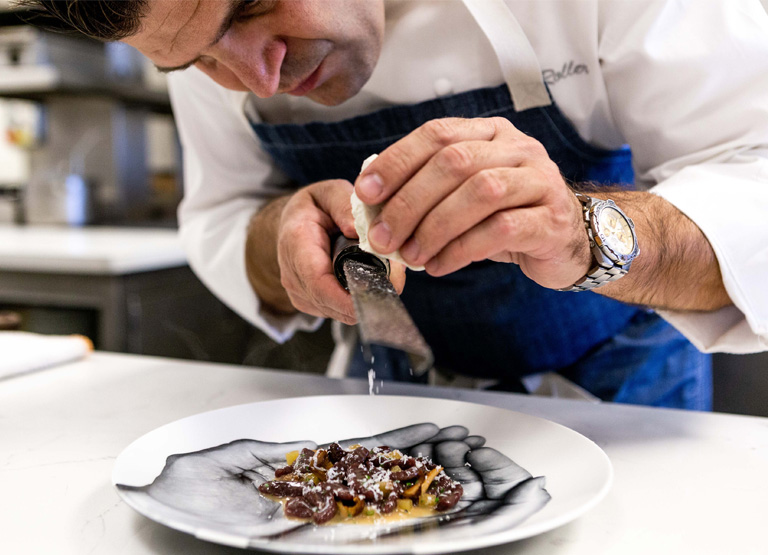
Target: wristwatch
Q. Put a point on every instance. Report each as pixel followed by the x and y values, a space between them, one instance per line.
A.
pixel 612 240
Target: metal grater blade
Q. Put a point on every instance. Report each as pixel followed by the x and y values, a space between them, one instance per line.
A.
pixel 381 315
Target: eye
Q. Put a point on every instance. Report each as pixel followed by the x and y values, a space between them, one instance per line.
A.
pixel 254 8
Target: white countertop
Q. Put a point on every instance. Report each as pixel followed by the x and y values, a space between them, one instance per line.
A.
pixel 88 250
pixel 685 482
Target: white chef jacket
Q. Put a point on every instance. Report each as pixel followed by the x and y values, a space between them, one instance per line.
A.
pixel 683 82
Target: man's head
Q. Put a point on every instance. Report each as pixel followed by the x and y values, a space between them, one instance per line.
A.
pixel 324 49
pixel 101 20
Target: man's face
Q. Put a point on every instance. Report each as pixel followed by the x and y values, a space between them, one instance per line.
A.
pixel 323 49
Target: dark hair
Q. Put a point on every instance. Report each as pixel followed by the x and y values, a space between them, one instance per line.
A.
pixel 104 20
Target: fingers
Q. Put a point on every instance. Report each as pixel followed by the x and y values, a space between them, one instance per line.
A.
pixel 450 433
pixel 433 169
pixel 519 503
pixel 401 438
pixel 475 442
pixel 452 456
pixel 484 194
pixel 311 284
pixel 408 436
pixel 249 454
pixel 332 197
pixel 456 191
pixel 400 161
pixel 443 174
pixel 545 246
pixel 483 472
pixel 529 491
pixel 449 448
pixel 304 256
pixel 498 472
pixel 512 230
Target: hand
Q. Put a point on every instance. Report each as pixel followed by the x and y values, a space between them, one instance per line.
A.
pixel 463 190
pixel 219 485
pixel 492 482
pixel 290 242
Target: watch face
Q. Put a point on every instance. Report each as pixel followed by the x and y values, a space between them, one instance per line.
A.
pixel 616 232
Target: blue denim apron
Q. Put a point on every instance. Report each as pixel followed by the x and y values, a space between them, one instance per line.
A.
pixel 489 320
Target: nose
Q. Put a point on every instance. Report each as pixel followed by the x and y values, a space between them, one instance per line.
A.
pixel 254 63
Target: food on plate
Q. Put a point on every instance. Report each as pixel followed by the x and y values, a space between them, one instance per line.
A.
pixel 359 485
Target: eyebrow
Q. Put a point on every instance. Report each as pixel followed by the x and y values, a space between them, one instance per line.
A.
pixel 234 8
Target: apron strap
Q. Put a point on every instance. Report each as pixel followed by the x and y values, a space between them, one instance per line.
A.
pixel 518 61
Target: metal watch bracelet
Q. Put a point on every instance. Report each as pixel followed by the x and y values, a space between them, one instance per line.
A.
pixel 598 275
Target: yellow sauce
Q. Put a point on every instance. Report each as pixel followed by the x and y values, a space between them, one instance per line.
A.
pixel 369 520
pixel 376 518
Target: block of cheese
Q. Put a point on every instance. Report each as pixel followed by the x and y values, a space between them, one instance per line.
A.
pixel 364 214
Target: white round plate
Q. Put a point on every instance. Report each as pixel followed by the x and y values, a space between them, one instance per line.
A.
pixel 575 471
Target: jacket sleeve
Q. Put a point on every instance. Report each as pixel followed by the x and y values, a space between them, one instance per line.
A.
pixel 687 85
pixel 227 178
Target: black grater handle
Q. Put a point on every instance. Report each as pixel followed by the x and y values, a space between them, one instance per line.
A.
pixel 345 249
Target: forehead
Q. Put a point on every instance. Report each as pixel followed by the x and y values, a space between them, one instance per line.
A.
pixel 178 29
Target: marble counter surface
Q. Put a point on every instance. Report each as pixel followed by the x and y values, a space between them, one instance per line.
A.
pixel 685 482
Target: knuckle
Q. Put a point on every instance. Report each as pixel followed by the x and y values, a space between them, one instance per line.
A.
pixel 290 229
pixel 552 173
pixel 401 160
pixel 488 187
pixel 500 123
pixel 441 131
pixel 455 159
pixel 400 208
pixel 563 216
pixel 532 148
pixel 429 232
pixel 506 223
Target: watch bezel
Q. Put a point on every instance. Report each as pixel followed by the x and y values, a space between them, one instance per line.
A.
pixel 600 237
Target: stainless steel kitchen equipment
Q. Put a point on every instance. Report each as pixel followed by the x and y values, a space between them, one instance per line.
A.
pixel 84 87
pixel 11 204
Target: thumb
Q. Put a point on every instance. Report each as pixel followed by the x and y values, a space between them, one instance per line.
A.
pixel 397 276
pixel 332 197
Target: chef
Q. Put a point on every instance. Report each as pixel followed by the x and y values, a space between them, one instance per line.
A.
pixel 488 117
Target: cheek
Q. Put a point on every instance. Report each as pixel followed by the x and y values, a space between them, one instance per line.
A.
pixel 222 75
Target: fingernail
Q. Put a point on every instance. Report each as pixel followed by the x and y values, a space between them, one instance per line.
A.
pixel 380 235
pixel 410 251
pixel 370 186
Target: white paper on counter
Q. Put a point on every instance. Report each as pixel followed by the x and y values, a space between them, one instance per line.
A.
pixel 22 352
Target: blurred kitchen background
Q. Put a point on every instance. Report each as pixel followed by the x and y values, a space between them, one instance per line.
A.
pixel 90 178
